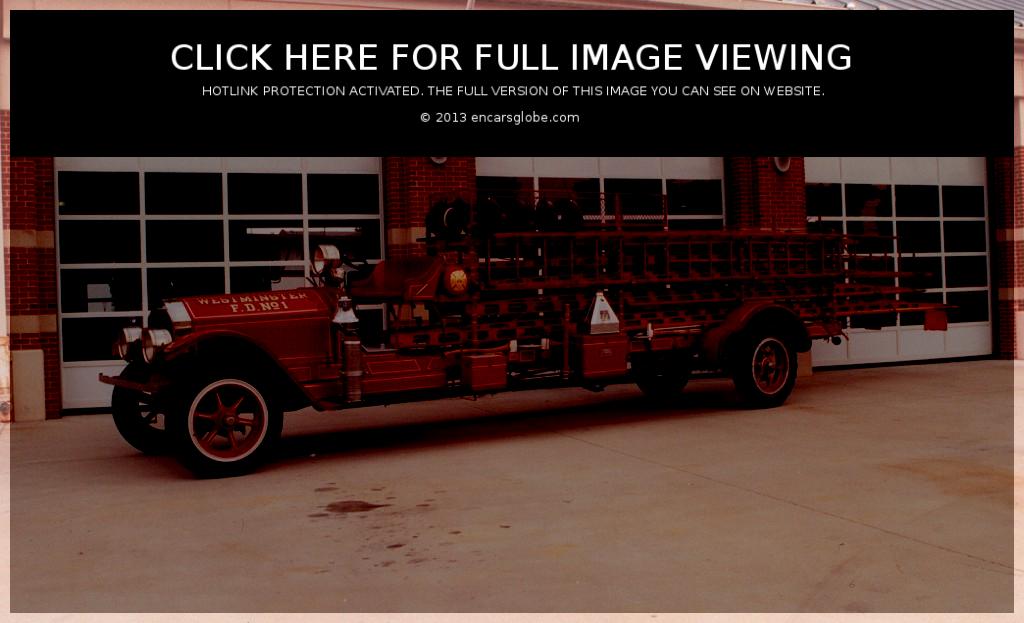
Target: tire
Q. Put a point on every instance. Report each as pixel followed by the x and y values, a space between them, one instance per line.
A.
pixel 661 377
pixel 140 422
pixel 764 369
pixel 224 427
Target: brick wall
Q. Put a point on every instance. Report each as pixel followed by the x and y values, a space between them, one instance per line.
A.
pixel 30 262
pixel 758 196
pixel 410 186
pixel 1006 213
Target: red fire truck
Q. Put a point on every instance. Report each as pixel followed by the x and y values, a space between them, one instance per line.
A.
pixel 501 301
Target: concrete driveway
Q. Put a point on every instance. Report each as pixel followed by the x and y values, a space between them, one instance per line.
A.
pixel 882 489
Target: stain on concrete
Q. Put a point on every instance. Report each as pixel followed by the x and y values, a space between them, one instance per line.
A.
pixel 352 506
pixel 396 545
pixel 321 489
pixel 961 478
pixel 319 515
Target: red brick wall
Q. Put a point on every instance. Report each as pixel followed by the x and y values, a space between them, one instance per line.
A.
pixel 758 196
pixel 30 264
pixel 5 195
pixel 1006 213
pixel 410 187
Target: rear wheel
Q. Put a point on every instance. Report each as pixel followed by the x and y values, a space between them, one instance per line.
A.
pixel 137 416
pixel 661 376
pixel 225 427
pixel 764 369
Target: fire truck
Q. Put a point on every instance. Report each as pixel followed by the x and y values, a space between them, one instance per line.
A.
pixel 508 296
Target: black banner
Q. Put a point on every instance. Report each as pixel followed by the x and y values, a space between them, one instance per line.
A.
pixel 567 83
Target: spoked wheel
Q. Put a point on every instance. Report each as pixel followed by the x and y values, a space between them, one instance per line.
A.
pixel 764 370
pixel 137 416
pixel 227 428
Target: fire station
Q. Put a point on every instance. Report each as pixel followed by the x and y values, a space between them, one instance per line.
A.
pixel 95 244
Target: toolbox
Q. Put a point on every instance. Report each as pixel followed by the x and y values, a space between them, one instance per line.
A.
pixel 482 373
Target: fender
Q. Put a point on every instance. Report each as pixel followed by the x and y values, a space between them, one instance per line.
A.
pixel 784 320
pixel 293 391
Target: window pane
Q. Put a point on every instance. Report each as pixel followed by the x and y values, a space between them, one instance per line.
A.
pixel 917 318
pixel 964 236
pixel 263 240
pixel 872 236
pixel 82 192
pixel 503 203
pixel 694 196
pixel 917 201
pixel 493 186
pixel 963 201
pixel 167 283
pixel 508 191
pixel 925 272
pixel 868 268
pixel 99 290
pixel 966 272
pixel 825 227
pixel 264 278
pixel 184 193
pixel 343 194
pixel 92 339
pixel 366 246
pixel 710 224
pixel 876 270
pixel 586 191
pixel 970 306
pixel 633 197
pixel 868 200
pixel 873 321
pixel 264 193
pixel 824 200
pixel 918 237
pixel 84 242
pixel 184 241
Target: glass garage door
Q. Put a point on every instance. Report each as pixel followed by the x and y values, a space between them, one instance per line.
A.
pixel 937 210
pixel 132 232
pixel 692 187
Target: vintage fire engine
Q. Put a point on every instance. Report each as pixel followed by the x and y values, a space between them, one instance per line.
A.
pixel 502 301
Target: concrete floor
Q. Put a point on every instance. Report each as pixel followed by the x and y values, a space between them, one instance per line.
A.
pixel 883 489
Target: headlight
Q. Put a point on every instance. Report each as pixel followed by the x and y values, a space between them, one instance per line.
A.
pixel 152 341
pixel 129 335
pixel 325 258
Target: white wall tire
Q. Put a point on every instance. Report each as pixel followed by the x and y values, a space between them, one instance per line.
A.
pixel 226 427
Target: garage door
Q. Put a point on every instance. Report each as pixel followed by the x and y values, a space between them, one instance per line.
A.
pixel 692 187
pixel 134 231
pixel 938 210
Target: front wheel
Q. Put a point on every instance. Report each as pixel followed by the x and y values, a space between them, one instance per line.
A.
pixel 226 427
pixel 137 416
pixel 764 370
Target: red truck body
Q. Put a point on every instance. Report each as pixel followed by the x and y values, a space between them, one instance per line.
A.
pixel 494 311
